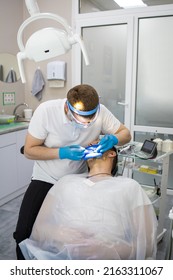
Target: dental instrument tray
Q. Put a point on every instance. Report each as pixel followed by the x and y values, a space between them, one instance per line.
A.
pixel 91 152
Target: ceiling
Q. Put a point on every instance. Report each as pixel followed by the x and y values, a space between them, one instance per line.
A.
pixel 103 5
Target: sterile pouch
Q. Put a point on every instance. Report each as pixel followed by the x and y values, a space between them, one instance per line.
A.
pixel 91 152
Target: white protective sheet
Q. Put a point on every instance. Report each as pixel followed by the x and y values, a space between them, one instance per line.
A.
pixel 96 218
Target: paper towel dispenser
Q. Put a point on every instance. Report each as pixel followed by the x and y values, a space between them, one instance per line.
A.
pixel 56 70
pixel 56 73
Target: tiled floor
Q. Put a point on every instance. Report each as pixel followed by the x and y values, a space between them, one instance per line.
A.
pixel 8 219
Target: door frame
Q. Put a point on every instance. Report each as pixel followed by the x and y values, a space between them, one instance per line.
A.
pixel 131 18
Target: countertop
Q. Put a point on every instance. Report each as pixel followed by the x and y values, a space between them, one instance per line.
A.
pixel 11 127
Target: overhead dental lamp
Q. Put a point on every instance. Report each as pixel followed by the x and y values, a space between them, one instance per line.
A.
pixel 48 42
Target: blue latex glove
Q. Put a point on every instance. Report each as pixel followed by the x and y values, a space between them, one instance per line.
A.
pixel 73 152
pixel 91 152
pixel 107 142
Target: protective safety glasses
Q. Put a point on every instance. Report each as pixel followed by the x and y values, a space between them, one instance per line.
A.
pixel 75 114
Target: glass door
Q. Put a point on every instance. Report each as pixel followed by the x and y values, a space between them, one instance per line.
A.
pixel 109 48
pixel 106 47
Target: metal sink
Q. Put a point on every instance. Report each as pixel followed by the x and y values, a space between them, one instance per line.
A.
pixel 14 126
pixel 6 119
pixel 18 120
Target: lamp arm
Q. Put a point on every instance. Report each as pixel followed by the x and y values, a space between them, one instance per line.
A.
pixel 78 39
pixel 20 57
pixel 35 17
pixel 32 7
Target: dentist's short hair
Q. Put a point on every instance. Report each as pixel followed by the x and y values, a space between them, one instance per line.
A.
pixel 83 97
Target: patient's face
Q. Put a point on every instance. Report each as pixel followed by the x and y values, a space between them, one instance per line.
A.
pixel 92 161
pixel 110 154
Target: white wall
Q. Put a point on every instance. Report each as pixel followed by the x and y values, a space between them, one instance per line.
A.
pixel 11 17
pixel 63 9
pixel 12 14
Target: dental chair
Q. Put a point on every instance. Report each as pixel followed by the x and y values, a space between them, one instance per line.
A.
pixel 169 249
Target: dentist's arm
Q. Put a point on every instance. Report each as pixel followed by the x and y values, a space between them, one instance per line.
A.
pixel 120 137
pixel 34 149
pixel 123 135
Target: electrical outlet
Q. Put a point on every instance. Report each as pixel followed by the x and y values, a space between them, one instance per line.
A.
pixel 9 98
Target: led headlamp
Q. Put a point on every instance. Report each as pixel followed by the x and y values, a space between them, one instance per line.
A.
pixel 83 113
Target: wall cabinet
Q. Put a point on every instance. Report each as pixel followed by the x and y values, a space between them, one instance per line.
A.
pixel 8 164
pixel 15 169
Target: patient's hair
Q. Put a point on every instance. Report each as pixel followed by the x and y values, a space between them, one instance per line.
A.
pixel 115 162
pixel 83 98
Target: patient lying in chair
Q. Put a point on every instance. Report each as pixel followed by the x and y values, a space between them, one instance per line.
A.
pixel 94 216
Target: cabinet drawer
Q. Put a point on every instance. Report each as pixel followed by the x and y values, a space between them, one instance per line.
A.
pixel 8 170
pixel 7 139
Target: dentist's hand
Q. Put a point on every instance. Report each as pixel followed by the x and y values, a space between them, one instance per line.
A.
pixel 107 142
pixel 73 152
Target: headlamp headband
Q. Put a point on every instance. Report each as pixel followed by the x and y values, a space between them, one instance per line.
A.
pixel 82 113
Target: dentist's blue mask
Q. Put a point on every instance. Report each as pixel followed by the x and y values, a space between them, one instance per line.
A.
pixel 76 122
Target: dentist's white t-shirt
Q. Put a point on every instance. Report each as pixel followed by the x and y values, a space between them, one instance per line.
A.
pixel 50 122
